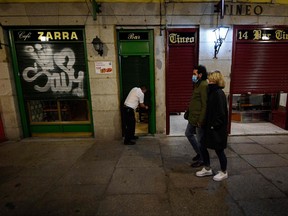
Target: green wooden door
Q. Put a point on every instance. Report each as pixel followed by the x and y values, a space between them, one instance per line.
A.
pixel 136 62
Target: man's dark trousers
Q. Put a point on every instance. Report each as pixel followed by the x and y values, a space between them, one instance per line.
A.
pixel 130 122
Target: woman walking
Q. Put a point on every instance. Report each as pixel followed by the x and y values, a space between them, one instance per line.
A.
pixel 215 127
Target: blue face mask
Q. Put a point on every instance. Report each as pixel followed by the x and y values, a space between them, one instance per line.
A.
pixel 194 78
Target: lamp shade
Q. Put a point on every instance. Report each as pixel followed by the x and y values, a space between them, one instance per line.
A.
pixel 98 45
pixel 221 32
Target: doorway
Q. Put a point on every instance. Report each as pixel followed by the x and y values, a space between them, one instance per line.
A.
pixel 182 57
pixel 135 73
pixel 259 81
pixel 136 67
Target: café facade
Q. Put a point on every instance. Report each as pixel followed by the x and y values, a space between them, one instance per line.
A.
pixel 67 66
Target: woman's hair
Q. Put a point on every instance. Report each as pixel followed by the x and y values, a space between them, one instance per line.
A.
pixel 217 78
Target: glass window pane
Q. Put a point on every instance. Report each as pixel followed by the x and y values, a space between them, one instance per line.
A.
pixel 43 111
pixel 57 111
pixel 74 110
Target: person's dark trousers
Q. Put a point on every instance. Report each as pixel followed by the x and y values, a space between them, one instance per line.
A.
pixel 130 123
pixel 222 158
pixel 205 155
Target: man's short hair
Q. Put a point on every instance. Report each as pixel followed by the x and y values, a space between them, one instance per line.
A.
pixel 201 70
pixel 143 87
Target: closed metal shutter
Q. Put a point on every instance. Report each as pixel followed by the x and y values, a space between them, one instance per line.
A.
pixel 179 82
pixel 259 67
pixel 181 60
pixel 260 64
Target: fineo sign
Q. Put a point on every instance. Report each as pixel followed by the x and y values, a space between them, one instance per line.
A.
pixel 240 9
pixel 181 38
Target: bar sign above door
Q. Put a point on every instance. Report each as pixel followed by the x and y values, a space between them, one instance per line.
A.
pixel 134 36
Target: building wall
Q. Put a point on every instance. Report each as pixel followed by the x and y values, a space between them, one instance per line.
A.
pixel 105 88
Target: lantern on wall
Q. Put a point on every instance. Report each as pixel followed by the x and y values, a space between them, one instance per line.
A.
pixel 220 35
pixel 98 45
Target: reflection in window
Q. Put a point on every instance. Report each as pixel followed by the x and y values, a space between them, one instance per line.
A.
pixel 58 111
pixel 75 110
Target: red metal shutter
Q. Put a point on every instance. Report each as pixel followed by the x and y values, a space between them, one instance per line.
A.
pixel 179 83
pixel 181 60
pixel 259 66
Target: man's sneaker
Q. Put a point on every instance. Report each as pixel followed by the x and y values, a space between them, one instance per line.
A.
pixel 135 137
pixel 220 176
pixel 196 158
pixel 129 142
pixel 204 172
pixel 197 164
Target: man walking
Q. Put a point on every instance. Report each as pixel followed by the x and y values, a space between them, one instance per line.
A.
pixel 197 111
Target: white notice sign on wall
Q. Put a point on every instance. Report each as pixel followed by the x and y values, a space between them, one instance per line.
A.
pixel 103 67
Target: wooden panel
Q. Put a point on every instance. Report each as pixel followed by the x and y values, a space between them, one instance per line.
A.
pixel 134 48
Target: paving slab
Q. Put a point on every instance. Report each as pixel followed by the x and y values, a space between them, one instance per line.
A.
pixel 265 160
pixel 238 166
pixel 137 180
pixel 177 150
pixel 267 139
pixel 284 156
pixel 188 180
pixel 140 161
pixel 278 148
pixel 278 176
pixel 252 186
pixel 103 152
pixel 142 150
pixel 69 200
pixel 240 139
pixel 265 207
pixel 249 149
pixel 135 204
pixel 196 201
pixel 91 172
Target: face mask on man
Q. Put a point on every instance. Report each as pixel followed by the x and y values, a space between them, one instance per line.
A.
pixel 194 78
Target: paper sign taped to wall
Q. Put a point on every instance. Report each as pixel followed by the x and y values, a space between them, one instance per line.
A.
pixel 103 67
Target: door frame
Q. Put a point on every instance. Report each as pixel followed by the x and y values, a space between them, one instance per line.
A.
pixel 124 45
pixel 244 35
pixel 53 129
pixel 187 32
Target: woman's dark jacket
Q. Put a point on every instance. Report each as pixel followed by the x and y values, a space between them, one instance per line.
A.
pixel 215 127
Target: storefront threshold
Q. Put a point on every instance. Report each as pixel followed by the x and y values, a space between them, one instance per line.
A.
pixel 74 134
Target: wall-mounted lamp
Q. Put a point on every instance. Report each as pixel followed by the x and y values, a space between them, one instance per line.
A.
pixel 98 45
pixel 220 35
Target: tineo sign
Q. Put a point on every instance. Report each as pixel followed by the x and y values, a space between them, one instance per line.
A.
pixel 181 38
pixel 240 9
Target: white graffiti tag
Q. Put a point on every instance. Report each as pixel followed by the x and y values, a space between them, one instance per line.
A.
pixel 58 82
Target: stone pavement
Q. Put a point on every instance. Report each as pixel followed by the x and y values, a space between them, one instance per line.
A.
pixel 67 177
